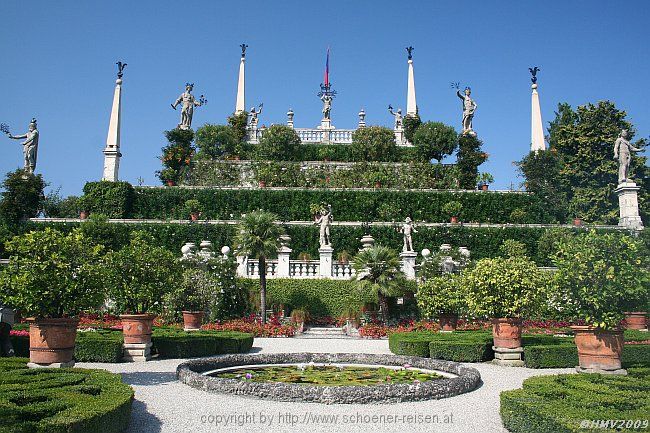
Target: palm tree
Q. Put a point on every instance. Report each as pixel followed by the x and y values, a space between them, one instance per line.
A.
pixel 378 270
pixel 258 237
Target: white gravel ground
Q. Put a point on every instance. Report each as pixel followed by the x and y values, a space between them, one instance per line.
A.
pixel 164 405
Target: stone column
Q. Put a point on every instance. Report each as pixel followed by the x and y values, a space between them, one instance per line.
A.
pixel 537 130
pixel 240 107
pixel 628 204
pixel 325 257
pixel 367 242
pixel 408 263
pixel 283 270
pixel 112 153
pixel 411 105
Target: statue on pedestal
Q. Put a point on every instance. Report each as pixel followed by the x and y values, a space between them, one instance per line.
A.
pixel 623 152
pixel 327 105
pixel 399 119
pixel 469 107
pixel 30 145
pixel 188 103
pixel 325 221
pixel 253 114
pixel 408 228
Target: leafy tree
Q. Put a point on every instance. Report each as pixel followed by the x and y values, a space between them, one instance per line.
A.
pixel 435 140
pixel 513 248
pixel 374 143
pixel 541 169
pixel 441 294
pixel 411 124
pixel 468 159
pixel 216 141
pixel 238 123
pixel 177 155
pixel 584 140
pixel 52 275
pixel 258 236
pixel 378 271
pixel 22 197
pixel 279 143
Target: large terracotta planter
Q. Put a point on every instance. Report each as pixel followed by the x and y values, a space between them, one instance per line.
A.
pixel 137 328
pixel 635 319
pixel 506 333
pixel 448 322
pixel 485 187
pixel 454 220
pixel 598 349
pixel 577 222
pixel 52 340
pixel 192 320
pixel 83 215
pixel 194 216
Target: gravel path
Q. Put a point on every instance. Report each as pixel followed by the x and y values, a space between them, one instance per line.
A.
pixel 164 405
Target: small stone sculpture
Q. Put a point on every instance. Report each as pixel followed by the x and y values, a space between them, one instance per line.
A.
pixel 30 145
pixel 469 107
pixel 408 228
pixel 399 119
pixel 253 114
pixel 533 73
pixel 325 221
pixel 623 152
pixel 327 105
pixel 409 50
pixel 188 103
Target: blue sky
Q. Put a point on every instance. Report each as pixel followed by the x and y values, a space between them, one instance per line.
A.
pixel 58 64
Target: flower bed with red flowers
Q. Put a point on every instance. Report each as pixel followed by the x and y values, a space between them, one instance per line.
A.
pixel 273 328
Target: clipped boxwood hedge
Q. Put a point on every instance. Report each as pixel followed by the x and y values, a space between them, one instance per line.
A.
pixel 99 346
pixel 113 199
pixel 344 152
pixel 569 403
pixel 321 297
pixel 61 400
pixel 349 205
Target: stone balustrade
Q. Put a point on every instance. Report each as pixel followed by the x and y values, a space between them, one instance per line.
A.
pixel 324 136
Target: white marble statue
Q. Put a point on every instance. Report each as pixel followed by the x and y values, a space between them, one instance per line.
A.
pixel 399 119
pixel 623 152
pixel 327 105
pixel 30 146
pixel 469 108
pixel 325 221
pixel 188 102
pixel 254 116
pixel 408 228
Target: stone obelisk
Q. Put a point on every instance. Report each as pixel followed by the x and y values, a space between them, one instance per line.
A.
pixel 536 128
pixel 241 83
pixel 112 153
pixel 411 104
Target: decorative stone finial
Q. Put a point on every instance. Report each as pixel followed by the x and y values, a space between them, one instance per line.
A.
pixel 533 72
pixel 409 50
pixel 120 69
pixel 243 50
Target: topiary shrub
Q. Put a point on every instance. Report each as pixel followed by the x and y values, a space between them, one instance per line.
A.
pixel 411 123
pixel 435 140
pixel 374 143
pixel 113 199
pixel 22 197
pixel 468 159
pixel 441 295
pixel 278 143
pixel 176 155
pixel 238 123
pixel 216 141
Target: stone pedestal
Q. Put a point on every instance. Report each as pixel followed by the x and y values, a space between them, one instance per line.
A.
pixel 508 357
pixel 400 140
pixel 52 365
pixel 408 263
pixel 628 205
pixel 136 352
pixel 325 257
pixel 283 270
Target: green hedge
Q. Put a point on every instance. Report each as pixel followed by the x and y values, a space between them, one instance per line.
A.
pixel 61 400
pixel 113 199
pixel 343 152
pixel 320 297
pixel 561 403
pixel 349 205
pixel 481 241
pixel 106 346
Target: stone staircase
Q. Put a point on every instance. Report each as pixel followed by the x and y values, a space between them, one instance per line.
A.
pixel 324 332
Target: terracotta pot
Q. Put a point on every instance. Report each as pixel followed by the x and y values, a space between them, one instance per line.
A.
pixel 137 328
pixel 577 222
pixel 377 184
pixel 454 220
pixel 171 183
pixel 192 320
pixel 83 215
pixel 448 322
pixel 506 332
pixel 194 216
pixel 635 319
pixel 327 179
pixel 598 349
pixel 262 184
pixel 484 187
pixel 52 340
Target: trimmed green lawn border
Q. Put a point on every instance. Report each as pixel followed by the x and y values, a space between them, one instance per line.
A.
pixel 560 403
pixel 61 400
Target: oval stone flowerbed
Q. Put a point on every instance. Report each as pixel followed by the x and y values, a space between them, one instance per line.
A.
pixel 454 378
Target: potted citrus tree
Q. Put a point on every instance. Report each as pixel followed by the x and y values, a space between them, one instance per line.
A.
pixel 442 297
pixel 453 210
pixel 483 180
pixel 52 277
pixel 598 276
pixel 192 297
pixel 193 208
pixel 299 317
pixel 138 277
pixel 504 290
